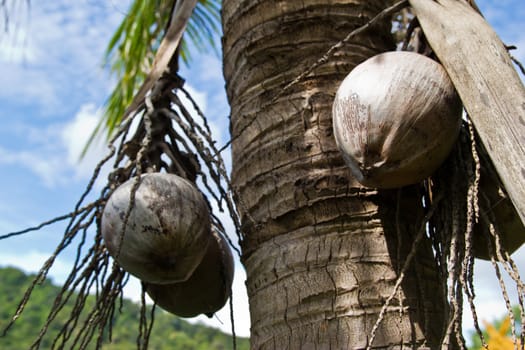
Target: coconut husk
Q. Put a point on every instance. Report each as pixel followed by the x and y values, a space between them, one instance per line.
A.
pixel 207 289
pixel 496 209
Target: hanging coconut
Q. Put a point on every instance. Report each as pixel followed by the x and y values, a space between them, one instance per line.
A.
pixel 396 117
pixel 497 209
pixel 207 289
pixel 167 232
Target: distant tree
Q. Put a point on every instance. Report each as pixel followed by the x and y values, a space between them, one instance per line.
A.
pixel 170 333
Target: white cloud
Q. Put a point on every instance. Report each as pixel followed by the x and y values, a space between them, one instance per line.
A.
pixel 213 68
pixel 57 55
pixel 200 97
pixel 14 20
pixel 15 48
pixel 32 261
pixel 75 136
pixel 133 290
pixel 54 153
pixel 45 168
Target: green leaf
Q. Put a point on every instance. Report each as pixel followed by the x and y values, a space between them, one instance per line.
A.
pixel 132 47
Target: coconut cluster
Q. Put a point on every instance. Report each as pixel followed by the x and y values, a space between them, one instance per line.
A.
pixel 166 240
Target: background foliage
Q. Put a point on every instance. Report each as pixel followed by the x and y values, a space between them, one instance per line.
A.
pixel 169 332
pixel 132 48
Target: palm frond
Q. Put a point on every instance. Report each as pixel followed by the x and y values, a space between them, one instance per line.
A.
pixel 132 47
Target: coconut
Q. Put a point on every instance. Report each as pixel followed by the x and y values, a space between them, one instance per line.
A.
pixel 207 289
pixel 396 117
pixel 167 232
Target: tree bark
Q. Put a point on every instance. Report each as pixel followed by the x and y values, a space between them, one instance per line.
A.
pixel 321 252
pixel 484 76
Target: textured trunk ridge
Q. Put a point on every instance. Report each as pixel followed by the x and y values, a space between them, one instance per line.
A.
pixel 321 253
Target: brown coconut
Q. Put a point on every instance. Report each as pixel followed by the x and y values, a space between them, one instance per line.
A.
pixel 167 232
pixel 497 209
pixel 396 117
pixel 207 289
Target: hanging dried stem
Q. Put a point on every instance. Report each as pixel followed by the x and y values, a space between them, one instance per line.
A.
pixel 457 217
pixel 473 167
pixel 454 290
pixel 168 138
pixel 448 233
pixel 500 255
pixel 145 328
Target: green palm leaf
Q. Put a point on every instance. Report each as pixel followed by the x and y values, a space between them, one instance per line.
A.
pixel 132 48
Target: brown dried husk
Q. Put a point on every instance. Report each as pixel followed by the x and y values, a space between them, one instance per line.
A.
pixel 208 288
pixel 396 117
pixel 167 231
pixel 496 209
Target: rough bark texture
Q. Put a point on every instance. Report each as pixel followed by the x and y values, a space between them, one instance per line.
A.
pixel 321 253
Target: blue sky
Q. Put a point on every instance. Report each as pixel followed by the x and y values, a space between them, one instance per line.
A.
pixel 53 88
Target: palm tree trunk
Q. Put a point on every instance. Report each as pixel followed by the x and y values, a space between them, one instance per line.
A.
pixel 321 252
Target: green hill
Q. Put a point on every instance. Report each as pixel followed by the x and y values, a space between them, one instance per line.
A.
pixel 169 332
